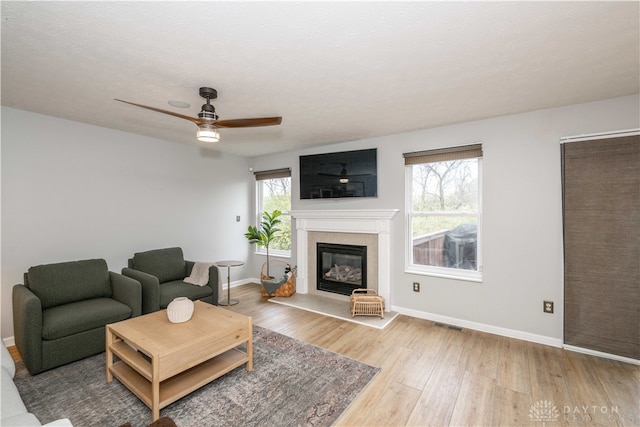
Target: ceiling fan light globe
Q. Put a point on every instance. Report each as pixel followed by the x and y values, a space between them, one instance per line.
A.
pixel 344 180
pixel 208 133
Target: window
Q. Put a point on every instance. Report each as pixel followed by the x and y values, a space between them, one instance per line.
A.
pixel 273 191
pixel 444 212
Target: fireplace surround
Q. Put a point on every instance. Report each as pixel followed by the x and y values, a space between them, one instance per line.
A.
pixel 370 226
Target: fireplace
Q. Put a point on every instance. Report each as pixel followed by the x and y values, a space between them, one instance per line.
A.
pixel 341 268
pixel 345 227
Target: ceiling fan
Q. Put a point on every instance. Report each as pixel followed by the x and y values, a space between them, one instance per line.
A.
pixel 344 177
pixel 207 120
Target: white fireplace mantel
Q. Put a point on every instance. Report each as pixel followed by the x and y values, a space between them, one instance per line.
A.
pixel 371 221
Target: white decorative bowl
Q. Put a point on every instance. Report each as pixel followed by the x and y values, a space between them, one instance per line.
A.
pixel 180 310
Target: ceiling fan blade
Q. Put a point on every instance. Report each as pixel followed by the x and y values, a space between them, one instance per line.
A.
pixel 234 123
pixel 195 120
pixel 248 123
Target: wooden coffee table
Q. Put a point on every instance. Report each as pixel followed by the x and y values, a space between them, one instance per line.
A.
pixel 161 362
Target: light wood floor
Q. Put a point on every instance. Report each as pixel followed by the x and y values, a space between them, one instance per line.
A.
pixel 432 375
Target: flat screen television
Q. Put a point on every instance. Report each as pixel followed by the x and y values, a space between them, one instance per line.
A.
pixel 341 174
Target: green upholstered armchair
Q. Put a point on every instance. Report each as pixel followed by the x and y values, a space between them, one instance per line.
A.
pixel 161 272
pixel 60 312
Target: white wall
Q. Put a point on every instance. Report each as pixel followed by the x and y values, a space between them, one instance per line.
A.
pixel 73 191
pixel 522 220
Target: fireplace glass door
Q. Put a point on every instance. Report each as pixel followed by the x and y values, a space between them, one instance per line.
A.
pixel 341 268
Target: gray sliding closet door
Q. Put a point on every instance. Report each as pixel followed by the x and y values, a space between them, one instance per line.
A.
pixel 601 209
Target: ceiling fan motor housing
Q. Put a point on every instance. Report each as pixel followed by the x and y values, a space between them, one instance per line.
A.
pixel 208 111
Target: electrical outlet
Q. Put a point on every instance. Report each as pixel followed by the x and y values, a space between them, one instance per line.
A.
pixel 416 286
pixel 547 306
pixel 237 218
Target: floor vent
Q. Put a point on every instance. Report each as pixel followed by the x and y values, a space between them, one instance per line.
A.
pixel 452 327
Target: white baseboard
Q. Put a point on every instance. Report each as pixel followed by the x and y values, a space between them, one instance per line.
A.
pixel 237 283
pixel 601 354
pixel 9 341
pixel 510 333
pixel 496 330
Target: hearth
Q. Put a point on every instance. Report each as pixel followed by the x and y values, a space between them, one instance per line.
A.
pixel 341 268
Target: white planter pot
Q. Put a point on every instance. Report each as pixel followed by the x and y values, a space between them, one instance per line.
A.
pixel 180 310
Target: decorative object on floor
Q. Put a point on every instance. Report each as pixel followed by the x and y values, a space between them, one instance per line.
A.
pixel 285 286
pixel 266 234
pixel 292 383
pixel 366 302
pixel 229 301
pixel 180 310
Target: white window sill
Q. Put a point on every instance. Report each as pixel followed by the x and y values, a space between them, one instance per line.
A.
pixel 476 278
pixel 274 254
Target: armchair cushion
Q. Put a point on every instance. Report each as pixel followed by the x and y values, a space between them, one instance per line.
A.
pixel 70 319
pixel 169 290
pixel 67 282
pixel 165 264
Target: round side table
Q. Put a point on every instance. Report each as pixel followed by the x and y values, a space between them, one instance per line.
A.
pixel 229 264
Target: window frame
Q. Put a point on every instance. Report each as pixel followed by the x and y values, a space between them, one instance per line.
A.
pixel 436 271
pixel 260 177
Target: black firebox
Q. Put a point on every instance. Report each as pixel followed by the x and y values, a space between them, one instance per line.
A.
pixel 341 268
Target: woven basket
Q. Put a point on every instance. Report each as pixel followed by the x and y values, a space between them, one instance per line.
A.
pixel 287 289
pixel 366 302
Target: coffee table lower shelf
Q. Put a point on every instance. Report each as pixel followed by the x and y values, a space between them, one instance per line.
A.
pixel 182 384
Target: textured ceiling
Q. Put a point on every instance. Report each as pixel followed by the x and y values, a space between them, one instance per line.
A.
pixel 335 71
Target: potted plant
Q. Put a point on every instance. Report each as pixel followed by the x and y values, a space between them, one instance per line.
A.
pixel 266 233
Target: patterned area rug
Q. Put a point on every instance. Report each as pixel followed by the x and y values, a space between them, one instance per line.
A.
pixel 292 384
